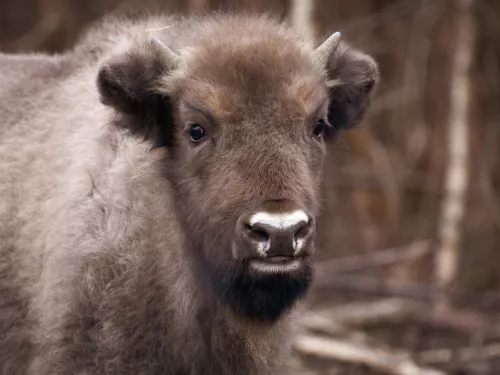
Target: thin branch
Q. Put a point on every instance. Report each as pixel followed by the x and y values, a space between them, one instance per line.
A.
pixel 472 354
pixel 415 75
pixel 396 309
pixel 359 313
pixel 388 287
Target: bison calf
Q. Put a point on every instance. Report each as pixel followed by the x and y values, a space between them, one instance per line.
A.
pixel 159 187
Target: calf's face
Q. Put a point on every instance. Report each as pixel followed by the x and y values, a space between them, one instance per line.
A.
pixel 245 119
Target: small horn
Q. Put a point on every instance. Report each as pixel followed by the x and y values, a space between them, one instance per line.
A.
pixel 329 46
pixel 169 58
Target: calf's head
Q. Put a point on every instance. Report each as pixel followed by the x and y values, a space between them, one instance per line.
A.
pixel 245 111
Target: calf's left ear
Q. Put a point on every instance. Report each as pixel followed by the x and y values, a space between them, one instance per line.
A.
pixel 353 77
pixel 128 83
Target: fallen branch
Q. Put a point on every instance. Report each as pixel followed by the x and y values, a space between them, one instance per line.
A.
pixel 381 258
pixel 346 351
pixel 376 285
pixel 359 313
pixel 318 324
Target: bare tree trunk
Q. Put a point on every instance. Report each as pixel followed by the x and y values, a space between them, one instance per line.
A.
pixel 302 17
pixel 457 174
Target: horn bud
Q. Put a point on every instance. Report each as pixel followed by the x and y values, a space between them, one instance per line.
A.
pixel 328 47
pixel 169 58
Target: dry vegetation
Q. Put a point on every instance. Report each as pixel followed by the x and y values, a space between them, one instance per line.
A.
pixel 408 279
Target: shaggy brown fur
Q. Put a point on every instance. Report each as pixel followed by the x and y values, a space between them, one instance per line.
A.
pixel 117 257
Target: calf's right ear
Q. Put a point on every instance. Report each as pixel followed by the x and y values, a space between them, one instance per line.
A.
pixel 128 83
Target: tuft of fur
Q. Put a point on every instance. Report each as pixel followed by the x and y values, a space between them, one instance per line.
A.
pixel 116 232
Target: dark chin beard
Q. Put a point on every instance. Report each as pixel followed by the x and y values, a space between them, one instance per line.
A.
pixel 262 297
pixel 249 294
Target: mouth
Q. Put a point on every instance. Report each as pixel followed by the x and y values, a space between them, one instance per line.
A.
pixel 275 264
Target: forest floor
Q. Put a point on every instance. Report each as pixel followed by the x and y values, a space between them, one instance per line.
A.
pixel 348 332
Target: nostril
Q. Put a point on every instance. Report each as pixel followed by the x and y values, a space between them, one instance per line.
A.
pixel 257 234
pixel 301 233
pixel 304 229
pixel 259 238
pixel 301 236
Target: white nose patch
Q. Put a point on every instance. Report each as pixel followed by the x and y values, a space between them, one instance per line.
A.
pixel 263 247
pixel 279 220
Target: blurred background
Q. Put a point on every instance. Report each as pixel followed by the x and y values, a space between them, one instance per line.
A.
pixel 408 276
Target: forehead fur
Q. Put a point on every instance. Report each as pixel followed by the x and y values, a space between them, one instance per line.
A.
pixel 240 62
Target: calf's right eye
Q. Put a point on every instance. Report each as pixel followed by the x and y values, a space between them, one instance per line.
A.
pixel 319 128
pixel 196 133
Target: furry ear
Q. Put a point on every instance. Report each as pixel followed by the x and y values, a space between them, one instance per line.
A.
pixel 127 83
pixel 353 78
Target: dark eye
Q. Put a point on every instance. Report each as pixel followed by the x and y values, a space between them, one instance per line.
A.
pixel 196 133
pixel 319 128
